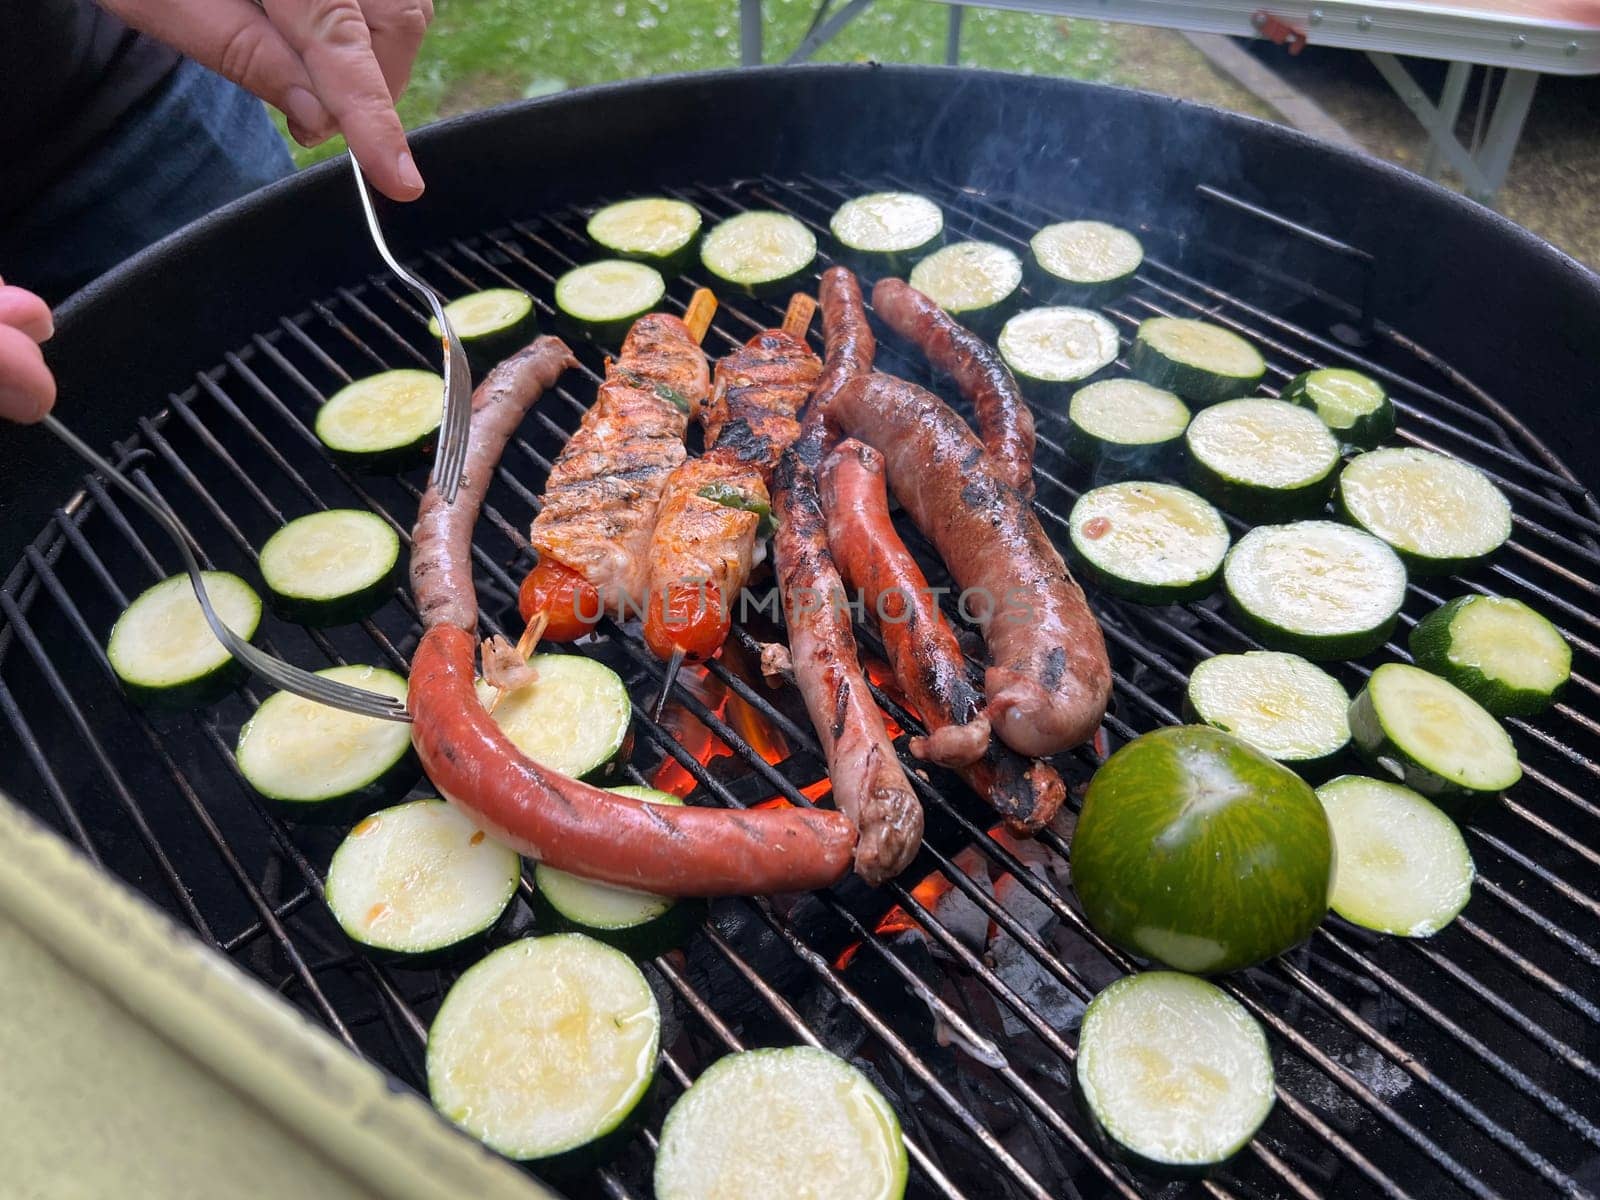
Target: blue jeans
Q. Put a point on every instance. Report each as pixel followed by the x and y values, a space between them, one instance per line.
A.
pixel 196 144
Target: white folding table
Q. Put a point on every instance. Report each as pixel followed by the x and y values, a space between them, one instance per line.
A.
pixel 1527 38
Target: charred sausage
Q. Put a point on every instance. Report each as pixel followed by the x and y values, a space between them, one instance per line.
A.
pixel 927 660
pixel 540 813
pixel 1050 679
pixel 1005 423
pixel 868 784
pixel 922 650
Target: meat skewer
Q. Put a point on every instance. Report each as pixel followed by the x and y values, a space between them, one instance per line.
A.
pixel 922 650
pixel 1005 423
pixel 1050 679
pixel 538 812
pixel 868 783
pixel 705 533
pixel 604 489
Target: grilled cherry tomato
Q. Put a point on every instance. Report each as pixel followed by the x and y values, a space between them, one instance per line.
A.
pixel 688 618
pixel 567 598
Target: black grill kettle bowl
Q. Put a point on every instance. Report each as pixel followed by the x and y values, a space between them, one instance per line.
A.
pixel 1459 1066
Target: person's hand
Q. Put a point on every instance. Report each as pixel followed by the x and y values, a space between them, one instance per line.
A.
pixel 330 66
pixel 27 389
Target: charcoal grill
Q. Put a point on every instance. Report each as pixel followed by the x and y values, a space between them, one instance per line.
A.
pixel 1461 1065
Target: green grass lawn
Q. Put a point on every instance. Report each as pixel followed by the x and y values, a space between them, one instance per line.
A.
pixel 483 52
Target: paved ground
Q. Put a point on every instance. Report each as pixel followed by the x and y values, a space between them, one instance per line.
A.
pixel 1554 185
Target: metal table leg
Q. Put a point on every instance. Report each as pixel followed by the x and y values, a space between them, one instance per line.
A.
pixel 750 33
pixel 1483 173
pixel 1455 90
pixel 952 41
pixel 825 32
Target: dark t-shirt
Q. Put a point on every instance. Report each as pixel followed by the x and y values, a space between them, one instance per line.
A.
pixel 69 71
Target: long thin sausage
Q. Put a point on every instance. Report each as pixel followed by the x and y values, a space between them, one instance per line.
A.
pixel 868 783
pixel 1050 679
pixel 538 812
pixel 922 651
pixel 849 346
pixel 1005 423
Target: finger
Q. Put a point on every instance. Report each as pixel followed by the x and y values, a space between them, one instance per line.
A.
pixel 332 40
pixel 21 309
pixel 396 28
pixel 27 389
pixel 235 39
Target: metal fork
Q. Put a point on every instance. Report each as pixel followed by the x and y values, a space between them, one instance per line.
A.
pixel 450 460
pixel 274 670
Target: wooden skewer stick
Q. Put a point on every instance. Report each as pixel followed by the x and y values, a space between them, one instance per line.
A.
pixel 797 317
pixel 702 307
pixel 531 634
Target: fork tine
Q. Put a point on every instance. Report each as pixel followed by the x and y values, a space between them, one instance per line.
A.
pixel 274 670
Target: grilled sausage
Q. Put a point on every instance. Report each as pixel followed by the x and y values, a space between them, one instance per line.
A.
pixel 600 835
pixel 1005 423
pixel 1050 679
pixel 601 498
pixel 868 784
pixel 441 543
pixel 538 812
pixel 922 650
pixel 847 336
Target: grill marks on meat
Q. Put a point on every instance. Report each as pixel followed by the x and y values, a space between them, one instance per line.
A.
pixel 604 489
pixel 750 419
pixel 868 784
pixel 1005 423
pixel 697 540
pixel 1050 679
pixel 753 413
pixel 538 812
pixel 441 545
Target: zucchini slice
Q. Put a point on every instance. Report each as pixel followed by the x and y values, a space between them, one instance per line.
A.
pixel 1263 460
pixel 1497 650
pixel 1439 514
pixel 1284 706
pixel 637 923
pixel 1152 543
pixel 165 653
pixel 1354 406
pixel 1433 737
pixel 1125 426
pixel 759 253
pixel 385 422
pixel 975 282
pixel 1203 363
pixel 572 719
pixel 326 568
pixel 1083 262
pixel 602 300
pixel 323 763
pixel 1175 1074
pixel 1404 867
pixel 1048 347
pixel 650 229
pixel 420 880
pixel 490 325
pixel 545 1047
pixel 886 232
pixel 1316 588
pixel 820 1120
